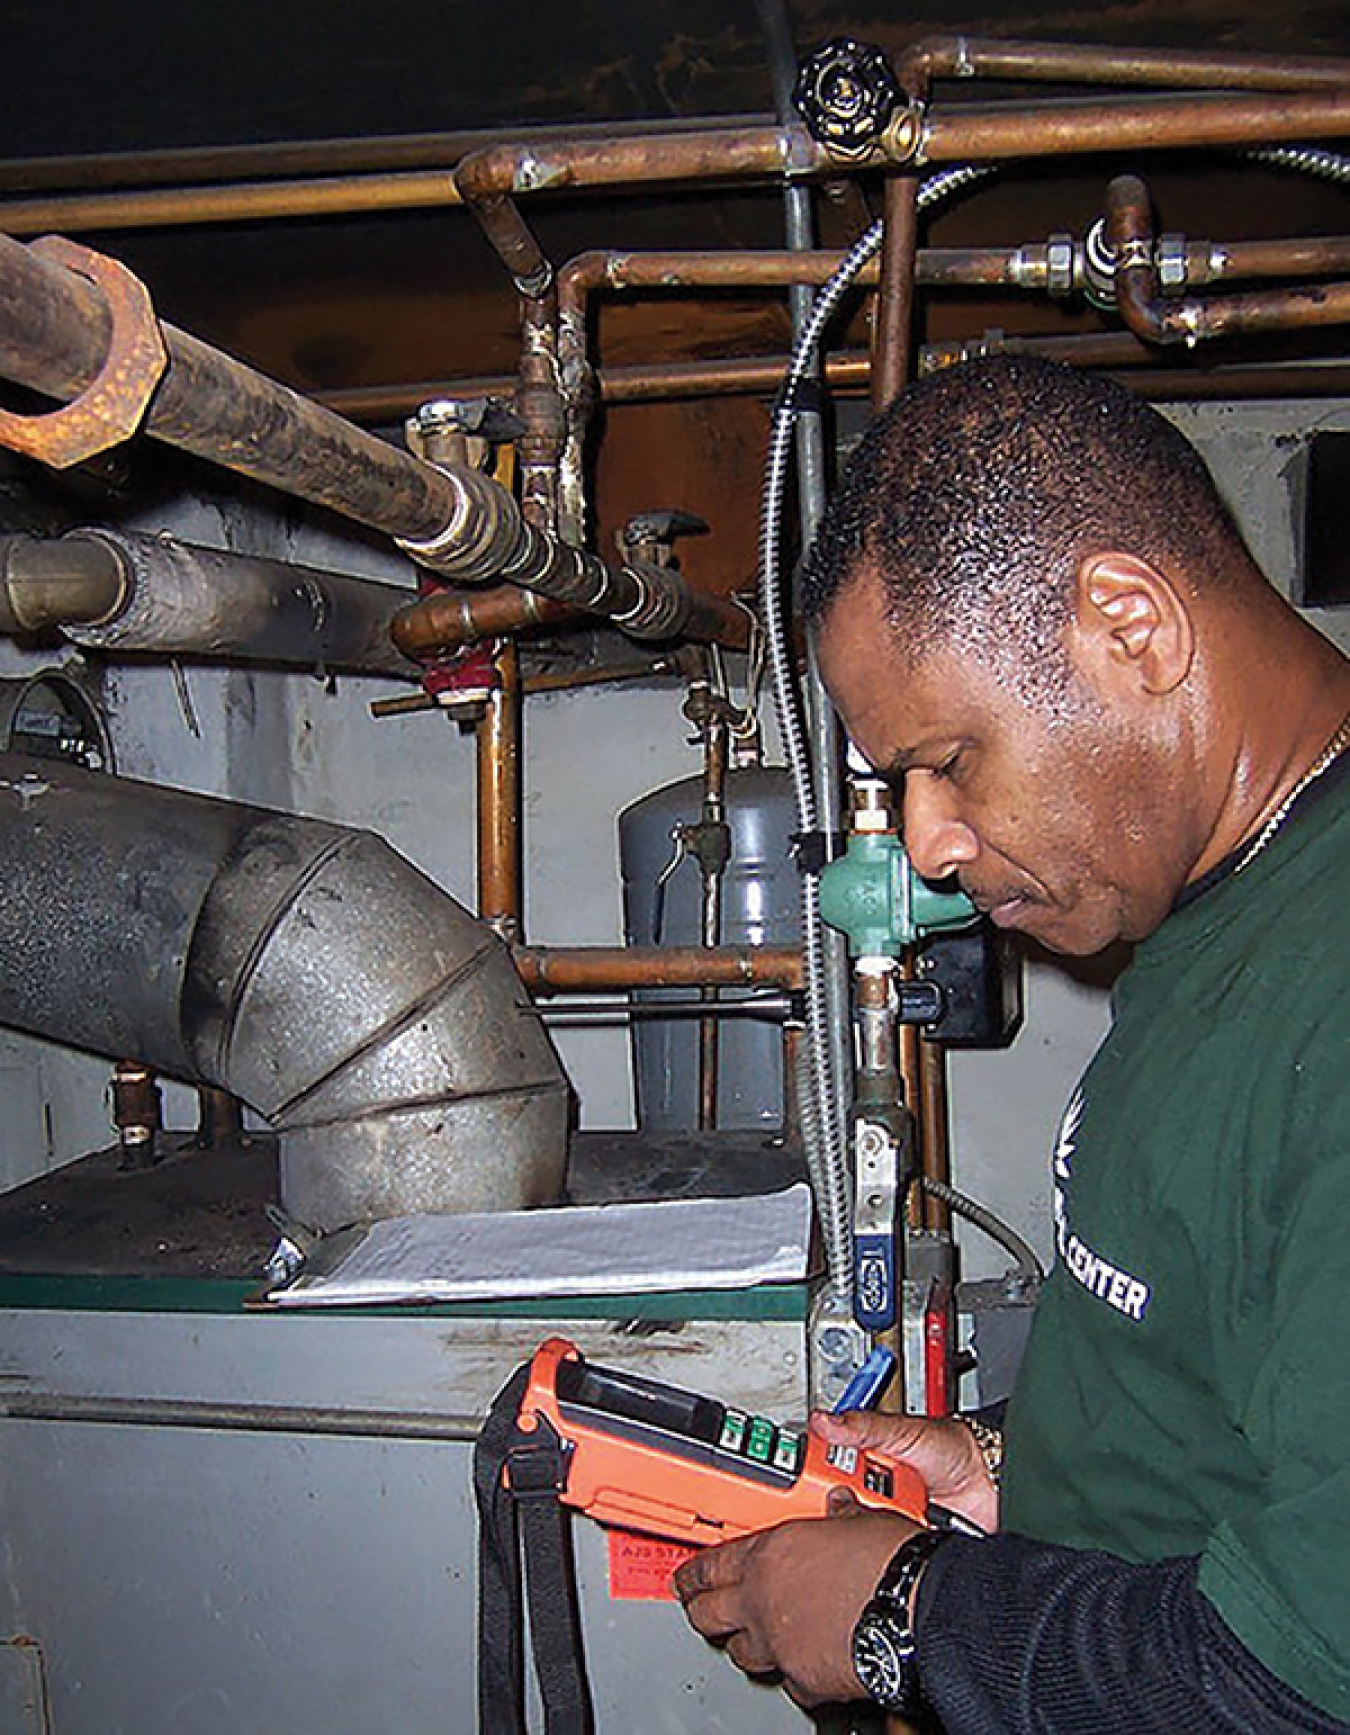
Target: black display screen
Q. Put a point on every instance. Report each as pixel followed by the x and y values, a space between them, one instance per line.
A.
pixel 646 1402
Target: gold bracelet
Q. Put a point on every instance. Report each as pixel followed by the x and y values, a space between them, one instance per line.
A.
pixel 990 1441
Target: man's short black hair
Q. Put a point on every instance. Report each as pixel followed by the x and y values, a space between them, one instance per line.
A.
pixel 977 494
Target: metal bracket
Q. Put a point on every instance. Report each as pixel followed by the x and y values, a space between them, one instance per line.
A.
pixel 110 408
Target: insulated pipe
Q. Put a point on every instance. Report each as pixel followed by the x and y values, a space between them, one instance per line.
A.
pixel 114 590
pixel 305 967
pixel 47 583
pixel 1189 319
pixel 55 332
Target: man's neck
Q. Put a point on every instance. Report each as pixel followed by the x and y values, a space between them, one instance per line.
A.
pixel 1287 731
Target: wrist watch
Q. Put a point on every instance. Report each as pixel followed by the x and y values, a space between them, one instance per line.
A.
pixel 884 1642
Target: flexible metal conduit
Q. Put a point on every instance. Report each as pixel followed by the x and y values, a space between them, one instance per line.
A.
pixel 822 1121
pixel 114 590
pixel 305 967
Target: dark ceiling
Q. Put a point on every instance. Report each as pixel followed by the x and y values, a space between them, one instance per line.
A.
pixel 346 301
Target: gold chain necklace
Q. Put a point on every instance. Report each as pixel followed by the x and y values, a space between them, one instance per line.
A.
pixel 1323 763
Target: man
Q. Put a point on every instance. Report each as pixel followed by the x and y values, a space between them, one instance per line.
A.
pixel 1035 614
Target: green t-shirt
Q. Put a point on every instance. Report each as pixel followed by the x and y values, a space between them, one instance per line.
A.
pixel 1187 1385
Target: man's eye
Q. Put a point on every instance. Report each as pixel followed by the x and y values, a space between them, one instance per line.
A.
pixel 948 769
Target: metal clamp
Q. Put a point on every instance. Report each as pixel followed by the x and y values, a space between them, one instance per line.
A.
pixel 110 408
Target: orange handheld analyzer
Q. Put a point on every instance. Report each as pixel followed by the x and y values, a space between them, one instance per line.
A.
pixel 675 1464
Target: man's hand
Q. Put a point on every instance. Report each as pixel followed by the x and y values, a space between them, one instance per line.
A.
pixel 785 1601
pixel 944 1452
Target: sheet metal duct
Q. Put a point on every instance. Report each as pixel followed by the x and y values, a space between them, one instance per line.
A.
pixel 308 968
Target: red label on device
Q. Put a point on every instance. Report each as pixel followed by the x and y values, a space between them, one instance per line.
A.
pixel 640 1567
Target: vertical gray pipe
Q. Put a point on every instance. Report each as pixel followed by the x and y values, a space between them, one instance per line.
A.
pixel 812 485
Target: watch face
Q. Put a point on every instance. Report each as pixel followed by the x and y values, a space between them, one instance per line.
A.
pixel 882 1659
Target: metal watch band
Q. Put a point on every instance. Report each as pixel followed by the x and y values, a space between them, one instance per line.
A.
pixel 884 1641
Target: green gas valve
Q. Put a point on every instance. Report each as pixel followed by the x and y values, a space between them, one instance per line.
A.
pixel 872 894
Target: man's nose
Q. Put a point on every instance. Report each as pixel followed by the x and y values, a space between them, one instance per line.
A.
pixel 938 841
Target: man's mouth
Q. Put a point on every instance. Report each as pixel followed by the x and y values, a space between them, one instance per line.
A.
pixel 1004 911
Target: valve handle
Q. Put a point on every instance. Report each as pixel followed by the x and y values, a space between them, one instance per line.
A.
pixel 847 95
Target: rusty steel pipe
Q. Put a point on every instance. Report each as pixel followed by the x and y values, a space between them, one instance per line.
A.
pixel 54 335
pixel 615 969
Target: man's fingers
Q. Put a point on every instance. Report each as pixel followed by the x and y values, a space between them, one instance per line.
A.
pixel 894 1435
pixel 716 1614
pixel 709 1569
pixel 749 1656
pixel 843 1503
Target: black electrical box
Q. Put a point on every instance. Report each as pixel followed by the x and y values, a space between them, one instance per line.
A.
pixel 979 971
pixel 1326 546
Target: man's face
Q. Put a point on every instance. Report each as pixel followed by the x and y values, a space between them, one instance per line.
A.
pixel 1049 822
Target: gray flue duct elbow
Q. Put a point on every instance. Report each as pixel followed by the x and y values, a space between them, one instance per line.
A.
pixel 306 967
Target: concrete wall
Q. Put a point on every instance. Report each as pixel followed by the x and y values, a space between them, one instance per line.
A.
pixel 296 742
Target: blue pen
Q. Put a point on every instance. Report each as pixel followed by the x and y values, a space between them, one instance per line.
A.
pixel 863 1391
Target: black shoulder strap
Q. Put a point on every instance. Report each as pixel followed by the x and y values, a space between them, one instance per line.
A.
pixel 517 1479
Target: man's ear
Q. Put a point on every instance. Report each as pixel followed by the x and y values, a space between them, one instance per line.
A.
pixel 1134 619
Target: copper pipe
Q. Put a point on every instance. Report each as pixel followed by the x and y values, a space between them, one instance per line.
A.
pixel 975 133
pixel 895 298
pixel 937 57
pixel 603 675
pixel 249 202
pixel 615 969
pixel 1320 256
pixel 326 157
pixel 490 180
pixel 1022 267
pixel 1081 349
pixel 1315 381
pixel 1188 320
pixel 762 150
pixel 447 620
pixel 497 738
pixel 641 382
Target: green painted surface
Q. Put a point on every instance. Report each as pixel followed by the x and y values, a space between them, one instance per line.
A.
pixel 232 1296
